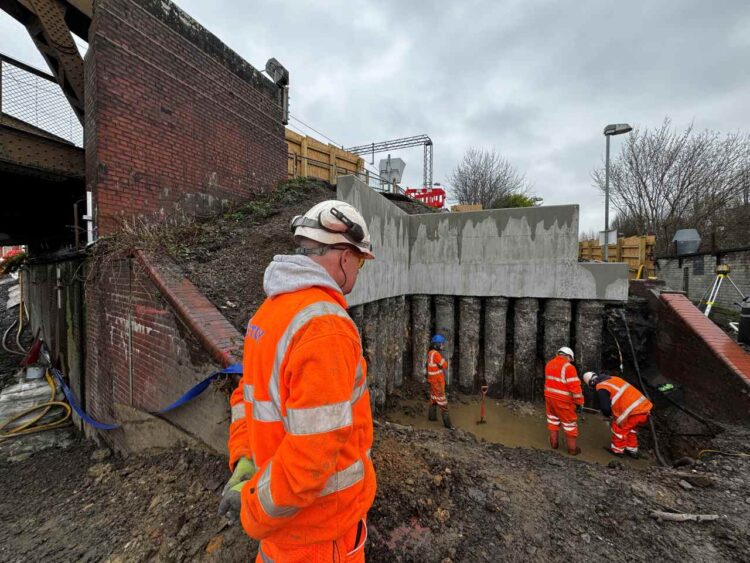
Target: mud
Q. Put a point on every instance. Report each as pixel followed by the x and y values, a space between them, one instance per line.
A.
pixel 515 424
pixel 442 496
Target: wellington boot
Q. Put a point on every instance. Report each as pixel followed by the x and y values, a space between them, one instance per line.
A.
pixel 432 413
pixel 447 421
pixel 573 448
pixel 632 454
pixel 554 439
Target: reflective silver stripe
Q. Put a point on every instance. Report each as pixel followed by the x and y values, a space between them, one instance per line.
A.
pixel 358 374
pixel 238 412
pixel 316 420
pixel 247 393
pixel 562 372
pixel 266 411
pixel 619 393
pixel 553 378
pixel 358 392
pixel 558 391
pixel 359 387
pixel 614 388
pixel 318 309
pixel 578 395
pixel 265 558
pixel 368 453
pixel 266 499
pixel 628 410
pixel 345 478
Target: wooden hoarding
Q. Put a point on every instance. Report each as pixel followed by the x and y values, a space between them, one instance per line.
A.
pixel 635 251
pixel 310 157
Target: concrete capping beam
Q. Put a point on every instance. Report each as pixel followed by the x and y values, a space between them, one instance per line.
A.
pixel 516 253
pixel 216 334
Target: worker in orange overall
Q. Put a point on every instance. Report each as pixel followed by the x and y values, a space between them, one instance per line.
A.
pixel 301 430
pixel 436 366
pixel 563 398
pixel 628 408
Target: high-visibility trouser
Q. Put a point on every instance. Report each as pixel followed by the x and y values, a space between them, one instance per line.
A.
pixel 624 436
pixel 437 391
pixel 561 413
pixel 349 548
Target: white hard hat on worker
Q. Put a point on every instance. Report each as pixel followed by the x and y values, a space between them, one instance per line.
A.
pixel 568 352
pixel 333 222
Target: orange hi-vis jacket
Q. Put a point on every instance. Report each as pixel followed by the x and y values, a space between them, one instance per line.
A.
pixel 625 399
pixel 436 364
pixel 561 381
pixel 302 411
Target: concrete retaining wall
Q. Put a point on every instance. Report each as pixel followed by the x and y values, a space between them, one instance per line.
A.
pixel 530 252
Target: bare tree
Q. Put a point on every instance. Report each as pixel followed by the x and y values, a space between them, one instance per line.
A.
pixel 664 180
pixel 483 176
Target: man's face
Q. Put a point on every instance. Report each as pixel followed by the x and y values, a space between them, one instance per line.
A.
pixel 352 262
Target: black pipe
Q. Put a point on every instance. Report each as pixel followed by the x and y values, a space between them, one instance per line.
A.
pixel 663 462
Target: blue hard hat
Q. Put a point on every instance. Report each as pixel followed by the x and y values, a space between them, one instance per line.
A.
pixel 438 339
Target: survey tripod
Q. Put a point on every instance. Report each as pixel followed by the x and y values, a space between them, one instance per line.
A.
pixel 712 293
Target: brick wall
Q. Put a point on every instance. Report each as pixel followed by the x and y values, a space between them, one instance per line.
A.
pixel 173 117
pixel 698 273
pixel 143 352
pixel 696 353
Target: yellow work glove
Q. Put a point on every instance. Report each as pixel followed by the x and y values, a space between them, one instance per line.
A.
pixel 230 496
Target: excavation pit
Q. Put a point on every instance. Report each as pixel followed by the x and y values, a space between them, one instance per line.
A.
pixel 517 424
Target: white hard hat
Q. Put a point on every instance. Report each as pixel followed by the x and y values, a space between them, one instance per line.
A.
pixel 588 376
pixel 334 222
pixel 567 351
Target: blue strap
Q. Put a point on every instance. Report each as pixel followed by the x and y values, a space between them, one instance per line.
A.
pixel 191 394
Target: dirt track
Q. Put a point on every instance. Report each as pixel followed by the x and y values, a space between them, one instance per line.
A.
pixel 441 496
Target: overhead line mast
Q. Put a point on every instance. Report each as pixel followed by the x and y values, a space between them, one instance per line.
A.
pixel 402 143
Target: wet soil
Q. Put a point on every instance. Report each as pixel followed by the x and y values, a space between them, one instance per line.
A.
pixel 516 424
pixel 442 496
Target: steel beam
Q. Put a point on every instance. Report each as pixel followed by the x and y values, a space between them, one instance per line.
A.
pixel 30 153
pixel 46 22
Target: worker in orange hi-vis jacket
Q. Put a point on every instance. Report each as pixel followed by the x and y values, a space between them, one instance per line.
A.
pixel 435 374
pixel 628 408
pixel 563 399
pixel 301 430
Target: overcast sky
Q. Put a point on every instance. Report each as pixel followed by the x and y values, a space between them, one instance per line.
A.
pixel 537 81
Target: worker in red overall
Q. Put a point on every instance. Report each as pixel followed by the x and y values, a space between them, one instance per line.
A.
pixel 628 408
pixel 436 366
pixel 563 399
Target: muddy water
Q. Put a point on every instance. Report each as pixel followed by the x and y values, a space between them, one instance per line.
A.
pixel 515 425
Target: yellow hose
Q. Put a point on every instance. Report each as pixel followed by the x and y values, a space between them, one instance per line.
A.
pixel 28 427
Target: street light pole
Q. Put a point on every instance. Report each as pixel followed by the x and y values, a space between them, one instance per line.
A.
pixel 606 203
pixel 609 130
